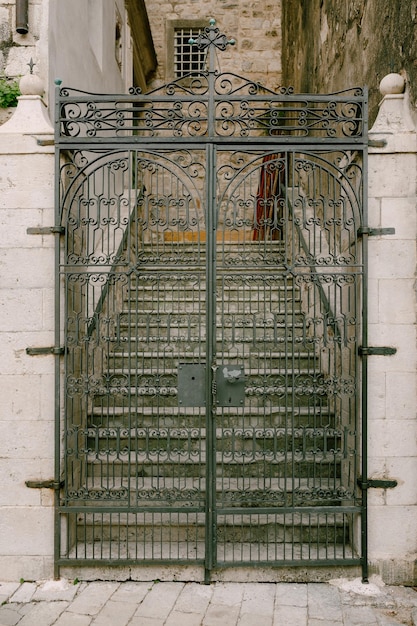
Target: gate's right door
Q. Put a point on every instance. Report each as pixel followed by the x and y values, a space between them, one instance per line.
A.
pixel 285 329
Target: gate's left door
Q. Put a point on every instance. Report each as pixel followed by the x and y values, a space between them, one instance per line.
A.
pixel 134 270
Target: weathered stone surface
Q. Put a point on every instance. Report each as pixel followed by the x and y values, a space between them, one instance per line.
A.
pixel 256 27
pixel 333 44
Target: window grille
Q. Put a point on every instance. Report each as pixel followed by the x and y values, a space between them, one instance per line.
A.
pixel 187 58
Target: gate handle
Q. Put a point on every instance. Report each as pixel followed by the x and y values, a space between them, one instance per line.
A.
pixel 232 376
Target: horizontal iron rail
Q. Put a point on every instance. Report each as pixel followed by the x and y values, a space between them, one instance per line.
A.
pixel 69 143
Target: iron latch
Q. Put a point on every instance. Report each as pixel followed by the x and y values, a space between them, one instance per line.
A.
pixel 49 350
pixel 375 232
pixel 376 351
pixel 46 230
pixel 376 484
pixel 44 484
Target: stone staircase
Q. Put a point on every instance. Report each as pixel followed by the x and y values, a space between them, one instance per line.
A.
pixel 276 455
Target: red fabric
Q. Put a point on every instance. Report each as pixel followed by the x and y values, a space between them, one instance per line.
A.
pixel 270 192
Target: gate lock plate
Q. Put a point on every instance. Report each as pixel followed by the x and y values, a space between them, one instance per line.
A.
pixel 230 385
pixel 230 381
pixel 191 384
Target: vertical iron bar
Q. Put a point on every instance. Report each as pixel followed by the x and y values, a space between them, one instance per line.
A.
pixel 57 313
pixel 210 535
pixel 364 416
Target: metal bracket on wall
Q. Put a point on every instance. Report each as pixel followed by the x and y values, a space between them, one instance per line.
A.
pixel 377 143
pixel 376 484
pixel 49 350
pixel 44 484
pixel 375 232
pixel 376 351
pixel 46 230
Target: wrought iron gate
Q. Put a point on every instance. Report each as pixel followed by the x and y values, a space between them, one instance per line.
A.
pixel 213 274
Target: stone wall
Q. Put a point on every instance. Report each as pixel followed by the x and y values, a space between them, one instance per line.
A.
pixel 26 321
pixel 255 25
pixel 16 50
pixel 392 391
pixel 334 44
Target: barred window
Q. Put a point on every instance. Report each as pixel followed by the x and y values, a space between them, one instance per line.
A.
pixel 187 58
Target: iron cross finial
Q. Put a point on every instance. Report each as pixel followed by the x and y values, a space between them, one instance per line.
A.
pixel 211 36
pixel 31 65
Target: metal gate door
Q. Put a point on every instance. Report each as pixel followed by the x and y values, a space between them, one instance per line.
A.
pixel 212 277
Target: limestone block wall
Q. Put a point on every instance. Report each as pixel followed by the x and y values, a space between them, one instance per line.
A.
pixel 16 50
pixel 334 44
pixel 392 396
pixel 255 25
pixel 26 382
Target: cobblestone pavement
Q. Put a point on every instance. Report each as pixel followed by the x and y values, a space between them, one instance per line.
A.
pixel 339 603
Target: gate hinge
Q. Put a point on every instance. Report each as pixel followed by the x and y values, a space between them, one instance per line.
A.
pixel 44 484
pixel 46 230
pixel 376 351
pixel 375 232
pixel 40 351
pixel 45 142
pixel 376 484
pixel 377 143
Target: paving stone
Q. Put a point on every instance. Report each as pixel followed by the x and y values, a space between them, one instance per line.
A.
pixel 359 615
pixel 290 616
pixel 176 618
pixel 291 594
pixel 43 613
pixel 131 592
pixel 249 619
pixel 160 601
pixel 385 620
pixel 147 621
pixel 324 601
pixel 194 598
pixel 71 619
pixel 24 593
pixel 324 622
pixel 93 598
pixel 228 593
pixel 7 590
pixel 258 599
pixel 53 590
pixel 115 613
pixel 220 615
pixel 9 615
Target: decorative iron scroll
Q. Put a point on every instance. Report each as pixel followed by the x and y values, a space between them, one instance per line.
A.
pixel 182 110
pixel 211 105
pixel 211 222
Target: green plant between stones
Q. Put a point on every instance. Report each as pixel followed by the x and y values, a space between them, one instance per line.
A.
pixel 9 92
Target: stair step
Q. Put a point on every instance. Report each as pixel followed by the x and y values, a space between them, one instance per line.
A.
pixel 153 531
pixel 157 463
pixel 138 546
pixel 114 415
pixel 253 492
pixel 132 372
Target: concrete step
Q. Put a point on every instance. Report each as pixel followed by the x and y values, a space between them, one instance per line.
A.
pixel 181 531
pixel 134 359
pixel 151 492
pixel 127 415
pixel 191 463
pixel 248 439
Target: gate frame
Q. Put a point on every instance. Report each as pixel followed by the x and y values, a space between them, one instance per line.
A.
pixel 212 40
